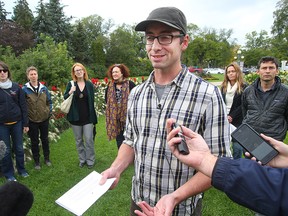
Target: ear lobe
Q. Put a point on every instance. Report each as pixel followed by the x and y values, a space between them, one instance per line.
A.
pixel 185 42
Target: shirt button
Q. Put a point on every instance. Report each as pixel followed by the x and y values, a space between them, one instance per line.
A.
pixel 146 193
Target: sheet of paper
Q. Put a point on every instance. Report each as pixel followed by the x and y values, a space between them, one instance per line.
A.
pixel 80 197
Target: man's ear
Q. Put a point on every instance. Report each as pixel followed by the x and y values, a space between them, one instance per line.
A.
pixel 185 42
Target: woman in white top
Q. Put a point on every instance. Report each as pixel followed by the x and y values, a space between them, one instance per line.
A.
pixel 231 88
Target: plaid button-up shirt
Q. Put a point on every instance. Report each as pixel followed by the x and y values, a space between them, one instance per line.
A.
pixel 194 103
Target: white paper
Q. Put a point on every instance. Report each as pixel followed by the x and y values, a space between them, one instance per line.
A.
pixel 80 197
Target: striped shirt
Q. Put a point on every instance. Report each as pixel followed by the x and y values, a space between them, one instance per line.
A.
pixel 194 103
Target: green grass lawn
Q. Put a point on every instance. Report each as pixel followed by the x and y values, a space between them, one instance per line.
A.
pixel 50 183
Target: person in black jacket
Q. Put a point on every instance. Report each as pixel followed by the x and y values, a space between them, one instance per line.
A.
pixel 232 88
pixel 13 122
pixel 265 102
pixel 116 97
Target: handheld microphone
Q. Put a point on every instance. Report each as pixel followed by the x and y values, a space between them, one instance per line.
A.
pixel 2 149
pixel 182 146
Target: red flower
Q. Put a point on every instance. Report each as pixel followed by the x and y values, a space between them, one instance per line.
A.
pixel 135 80
pixel 94 80
pixel 54 88
pixel 42 82
pixel 20 85
pixel 106 80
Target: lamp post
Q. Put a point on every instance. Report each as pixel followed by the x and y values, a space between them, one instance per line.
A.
pixel 239 59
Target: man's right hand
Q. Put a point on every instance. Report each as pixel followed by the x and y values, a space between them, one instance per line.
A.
pixel 110 173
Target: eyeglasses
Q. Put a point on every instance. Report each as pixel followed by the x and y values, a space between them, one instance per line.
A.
pixel 164 39
pixel 78 71
pixel 3 70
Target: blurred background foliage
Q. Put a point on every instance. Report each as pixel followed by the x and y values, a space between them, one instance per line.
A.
pixel 50 41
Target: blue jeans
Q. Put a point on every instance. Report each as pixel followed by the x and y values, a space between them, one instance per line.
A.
pixel 237 150
pixel 12 132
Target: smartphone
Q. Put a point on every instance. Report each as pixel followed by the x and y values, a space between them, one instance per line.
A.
pixel 182 146
pixel 252 142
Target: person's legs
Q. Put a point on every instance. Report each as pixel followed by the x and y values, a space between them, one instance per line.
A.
pixel 89 141
pixel 33 134
pixel 7 163
pixel 17 139
pixel 78 134
pixel 43 126
pixel 120 138
pixel 237 150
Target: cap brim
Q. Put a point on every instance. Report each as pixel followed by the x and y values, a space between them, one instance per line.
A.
pixel 143 25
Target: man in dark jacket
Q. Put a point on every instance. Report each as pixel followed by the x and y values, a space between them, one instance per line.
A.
pixel 265 102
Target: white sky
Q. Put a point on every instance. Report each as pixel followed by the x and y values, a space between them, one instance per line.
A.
pixel 243 16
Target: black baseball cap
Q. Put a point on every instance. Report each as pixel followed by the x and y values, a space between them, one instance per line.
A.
pixel 170 16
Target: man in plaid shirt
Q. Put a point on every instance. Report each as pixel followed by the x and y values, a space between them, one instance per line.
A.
pixel 171 91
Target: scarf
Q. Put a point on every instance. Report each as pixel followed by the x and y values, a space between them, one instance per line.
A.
pixel 6 85
pixel 230 95
pixel 116 112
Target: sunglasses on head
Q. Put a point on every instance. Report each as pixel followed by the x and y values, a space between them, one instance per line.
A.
pixel 3 70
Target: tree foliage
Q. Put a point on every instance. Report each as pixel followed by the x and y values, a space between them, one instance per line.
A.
pixel 280 29
pixel 23 15
pixel 51 59
pixel 3 12
pixel 54 43
pixel 52 21
pixel 15 36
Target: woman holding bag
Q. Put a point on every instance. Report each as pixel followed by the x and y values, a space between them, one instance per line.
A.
pixel 82 115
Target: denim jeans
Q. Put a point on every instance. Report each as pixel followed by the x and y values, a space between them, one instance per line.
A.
pixel 237 150
pixel 12 132
pixel 34 129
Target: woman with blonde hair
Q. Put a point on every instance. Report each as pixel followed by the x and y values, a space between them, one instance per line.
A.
pixel 82 115
pixel 231 88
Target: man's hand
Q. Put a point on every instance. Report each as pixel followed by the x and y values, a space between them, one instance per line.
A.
pixel 110 173
pixel 164 207
pixel 25 129
pixel 197 146
pixel 281 160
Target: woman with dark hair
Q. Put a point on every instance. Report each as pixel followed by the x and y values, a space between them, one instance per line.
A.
pixel 116 97
pixel 231 88
pixel 82 115
pixel 13 122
